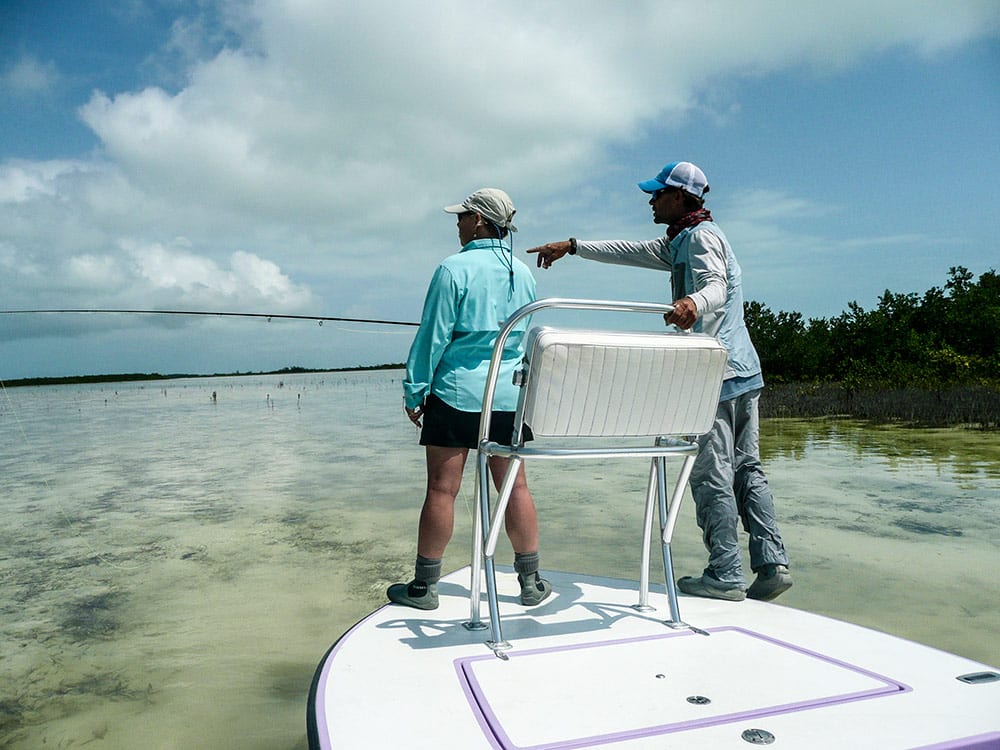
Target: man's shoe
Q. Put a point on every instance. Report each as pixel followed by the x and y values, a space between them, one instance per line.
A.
pixel 772 581
pixel 417 594
pixel 702 586
pixel 534 590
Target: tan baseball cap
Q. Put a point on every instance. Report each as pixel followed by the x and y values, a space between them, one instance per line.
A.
pixel 492 204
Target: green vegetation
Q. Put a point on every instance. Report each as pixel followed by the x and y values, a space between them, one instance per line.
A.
pixel 130 377
pixel 927 360
pixel 930 360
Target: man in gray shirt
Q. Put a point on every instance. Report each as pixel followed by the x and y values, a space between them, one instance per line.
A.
pixel 728 482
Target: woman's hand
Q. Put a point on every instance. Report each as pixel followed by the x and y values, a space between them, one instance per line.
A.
pixel 414 414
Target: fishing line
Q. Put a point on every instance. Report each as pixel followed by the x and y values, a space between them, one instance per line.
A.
pixel 371 332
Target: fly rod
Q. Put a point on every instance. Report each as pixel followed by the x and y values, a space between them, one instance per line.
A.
pixel 213 313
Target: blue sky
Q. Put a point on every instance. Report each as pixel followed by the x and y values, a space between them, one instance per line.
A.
pixel 293 157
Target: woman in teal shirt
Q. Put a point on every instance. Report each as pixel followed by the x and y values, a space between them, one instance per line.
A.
pixel 470 296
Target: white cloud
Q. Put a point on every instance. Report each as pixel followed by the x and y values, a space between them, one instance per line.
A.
pixel 335 106
pixel 29 76
pixel 249 281
pixel 95 271
pixel 307 165
pixel 21 181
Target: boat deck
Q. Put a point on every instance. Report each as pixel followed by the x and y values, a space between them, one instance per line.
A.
pixel 587 670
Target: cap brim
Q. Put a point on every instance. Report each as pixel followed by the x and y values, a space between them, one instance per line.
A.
pixel 458 208
pixel 651 186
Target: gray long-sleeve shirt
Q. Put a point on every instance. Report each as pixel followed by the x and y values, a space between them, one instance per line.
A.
pixel 701 266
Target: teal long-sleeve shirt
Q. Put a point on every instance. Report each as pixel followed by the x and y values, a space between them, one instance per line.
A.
pixel 470 296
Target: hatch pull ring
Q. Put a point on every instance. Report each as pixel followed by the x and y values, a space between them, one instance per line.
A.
pixel 757 736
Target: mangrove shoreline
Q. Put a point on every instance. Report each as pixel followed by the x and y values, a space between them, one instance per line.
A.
pixel 968 406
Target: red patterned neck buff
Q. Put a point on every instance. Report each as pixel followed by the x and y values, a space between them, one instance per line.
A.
pixel 688 220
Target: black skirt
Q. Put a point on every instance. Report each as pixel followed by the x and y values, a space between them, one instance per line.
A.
pixel 448 427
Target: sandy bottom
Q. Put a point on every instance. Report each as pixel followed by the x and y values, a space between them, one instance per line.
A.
pixel 172 568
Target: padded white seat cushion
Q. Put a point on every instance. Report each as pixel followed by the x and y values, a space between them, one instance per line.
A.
pixel 620 384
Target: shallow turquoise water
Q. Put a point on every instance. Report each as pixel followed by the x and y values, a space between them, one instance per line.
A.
pixel 173 566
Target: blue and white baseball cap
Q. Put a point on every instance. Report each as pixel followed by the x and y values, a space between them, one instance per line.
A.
pixel 681 174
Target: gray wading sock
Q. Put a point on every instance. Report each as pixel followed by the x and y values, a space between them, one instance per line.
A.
pixel 428 570
pixel 421 592
pixel 534 588
pixel 525 563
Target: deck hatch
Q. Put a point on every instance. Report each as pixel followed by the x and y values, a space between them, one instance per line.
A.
pixel 640 687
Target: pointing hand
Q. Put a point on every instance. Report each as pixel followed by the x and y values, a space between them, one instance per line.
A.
pixel 550 253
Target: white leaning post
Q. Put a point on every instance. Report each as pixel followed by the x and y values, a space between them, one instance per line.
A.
pixel 606 384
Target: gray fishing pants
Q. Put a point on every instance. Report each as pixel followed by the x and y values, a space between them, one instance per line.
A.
pixel 728 484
